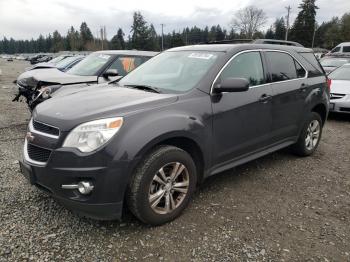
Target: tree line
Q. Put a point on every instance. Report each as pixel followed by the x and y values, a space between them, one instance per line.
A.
pixel 246 24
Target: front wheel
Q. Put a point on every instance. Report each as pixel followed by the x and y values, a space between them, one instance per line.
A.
pixel 162 185
pixel 310 136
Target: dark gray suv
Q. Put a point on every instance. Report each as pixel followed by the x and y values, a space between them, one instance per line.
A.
pixel 186 114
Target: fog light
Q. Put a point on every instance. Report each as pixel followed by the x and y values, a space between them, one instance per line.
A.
pixel 84 187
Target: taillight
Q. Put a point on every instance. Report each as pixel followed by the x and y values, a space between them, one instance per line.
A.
pixel 329 82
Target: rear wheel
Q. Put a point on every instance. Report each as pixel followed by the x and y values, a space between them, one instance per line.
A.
pixel 162 185
pixel 310 136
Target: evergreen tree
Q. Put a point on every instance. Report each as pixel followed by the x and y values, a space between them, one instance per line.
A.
pixel 140 32
pixel 73 40
pixel 270 34
pixel 85 35
pixel 304 25
pixel 152 43
pixel 57 40
pixel 280 29
pixel 117 41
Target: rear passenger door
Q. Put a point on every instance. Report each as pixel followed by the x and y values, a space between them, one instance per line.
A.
pixel 289 86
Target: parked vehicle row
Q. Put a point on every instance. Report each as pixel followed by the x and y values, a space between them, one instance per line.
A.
pixel 146 141
pixel 332 62
pixel 99 67
pixel 339 81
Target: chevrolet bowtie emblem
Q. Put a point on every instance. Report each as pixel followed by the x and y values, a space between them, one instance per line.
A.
pixel 29 136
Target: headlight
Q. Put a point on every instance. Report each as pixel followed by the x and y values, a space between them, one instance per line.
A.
pixel 45 92
pixel 92 135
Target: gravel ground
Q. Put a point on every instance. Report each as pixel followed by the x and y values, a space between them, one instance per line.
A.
pixel 277 208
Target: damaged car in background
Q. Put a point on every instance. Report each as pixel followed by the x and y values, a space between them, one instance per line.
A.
pixel 62 62
pixel 99 67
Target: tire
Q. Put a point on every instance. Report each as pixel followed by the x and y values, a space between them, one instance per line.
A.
pixel 305 146
pixel 146 189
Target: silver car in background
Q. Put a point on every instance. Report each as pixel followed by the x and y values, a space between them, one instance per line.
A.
pixel 339 82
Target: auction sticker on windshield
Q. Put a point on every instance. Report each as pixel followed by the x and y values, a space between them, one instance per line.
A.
pixel 106 57
pixel 201 56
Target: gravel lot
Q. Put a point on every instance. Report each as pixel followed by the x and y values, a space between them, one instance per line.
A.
pixel 277 208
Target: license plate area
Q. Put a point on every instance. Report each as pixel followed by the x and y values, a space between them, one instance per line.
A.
pixel 331 106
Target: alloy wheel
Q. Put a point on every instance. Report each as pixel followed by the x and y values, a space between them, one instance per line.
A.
pixel 312 135
pixel 169 188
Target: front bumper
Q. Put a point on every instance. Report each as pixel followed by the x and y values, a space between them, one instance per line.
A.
pixel 105 202
pixel 341 105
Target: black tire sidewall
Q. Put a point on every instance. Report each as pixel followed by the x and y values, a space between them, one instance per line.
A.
pixel 144 208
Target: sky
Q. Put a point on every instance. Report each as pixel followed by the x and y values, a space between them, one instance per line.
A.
pixel 25 19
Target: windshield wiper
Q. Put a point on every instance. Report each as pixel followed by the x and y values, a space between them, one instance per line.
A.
pixel 145 88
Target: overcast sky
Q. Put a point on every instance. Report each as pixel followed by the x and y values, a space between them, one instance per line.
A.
pixel 24 19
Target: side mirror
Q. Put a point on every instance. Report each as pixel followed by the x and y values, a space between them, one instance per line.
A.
pixel 232 85
pixel 110 72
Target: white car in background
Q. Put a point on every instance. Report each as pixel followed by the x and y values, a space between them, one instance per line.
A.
pixel 339 82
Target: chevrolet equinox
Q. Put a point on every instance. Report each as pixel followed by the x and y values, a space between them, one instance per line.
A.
pixel 147 141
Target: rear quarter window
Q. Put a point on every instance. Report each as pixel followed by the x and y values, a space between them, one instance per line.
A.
pixel 313 66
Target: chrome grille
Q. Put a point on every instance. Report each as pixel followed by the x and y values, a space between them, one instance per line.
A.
pixel 47 129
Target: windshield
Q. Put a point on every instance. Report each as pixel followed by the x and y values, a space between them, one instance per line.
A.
pixel 57 59
pixel 65 62
pixel 172 71
pixel 334 62
pixel 90 66
pixel 342 73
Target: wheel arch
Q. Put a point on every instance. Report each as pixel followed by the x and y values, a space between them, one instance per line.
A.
pixel 322 111
pixel 182 141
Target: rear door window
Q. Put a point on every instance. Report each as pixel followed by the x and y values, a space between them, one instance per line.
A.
pixel 282 66
pixel 247 65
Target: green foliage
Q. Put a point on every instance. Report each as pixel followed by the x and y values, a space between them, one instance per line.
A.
pixel 303 27
pixel 144 36
pixel 117 41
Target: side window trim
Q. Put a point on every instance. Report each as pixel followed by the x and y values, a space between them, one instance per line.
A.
pixel 236 55
pixel 293 57
pixel 262 52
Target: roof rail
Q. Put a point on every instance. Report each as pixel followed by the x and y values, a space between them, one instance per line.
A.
pixel 256 41
pixel 227 41
pixel 276 42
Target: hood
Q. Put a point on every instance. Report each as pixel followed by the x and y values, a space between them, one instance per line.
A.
pixel 52 75
pixel 340 87
pixel 97 102
pixel 72 89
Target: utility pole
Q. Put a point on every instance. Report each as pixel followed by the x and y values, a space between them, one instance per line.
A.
pixel 313 37
pixel 287 28
pixel 162 37
pixel 101 32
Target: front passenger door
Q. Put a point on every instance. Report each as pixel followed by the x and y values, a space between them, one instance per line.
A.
pixel 242 120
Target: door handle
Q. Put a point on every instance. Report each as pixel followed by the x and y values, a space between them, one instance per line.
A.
pixel 303 87
pixel 265 98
